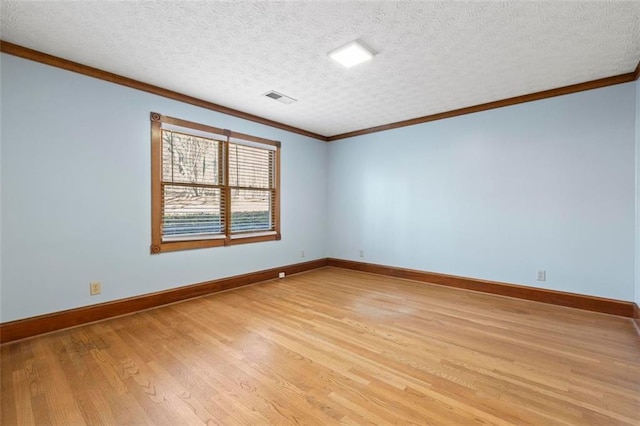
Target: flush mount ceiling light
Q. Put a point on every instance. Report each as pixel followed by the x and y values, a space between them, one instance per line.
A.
pixel 351 54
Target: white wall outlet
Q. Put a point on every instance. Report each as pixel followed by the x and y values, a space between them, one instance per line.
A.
pixel 542 275
pixel 95 287
pixel 281 275
pixel 361 253
pixel 302 253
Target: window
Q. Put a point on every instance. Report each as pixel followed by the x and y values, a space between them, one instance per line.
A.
pixel 211 187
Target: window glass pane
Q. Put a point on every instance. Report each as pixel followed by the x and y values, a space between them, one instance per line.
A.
pixel 250 167
pixel 191 210
pixel 251 210
pixel 190 159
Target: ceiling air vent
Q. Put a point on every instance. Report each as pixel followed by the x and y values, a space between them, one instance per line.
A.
pixel 279 97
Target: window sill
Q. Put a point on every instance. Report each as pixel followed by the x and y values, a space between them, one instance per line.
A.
pixel 253 237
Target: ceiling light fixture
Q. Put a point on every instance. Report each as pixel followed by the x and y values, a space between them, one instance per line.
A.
pixel 351 54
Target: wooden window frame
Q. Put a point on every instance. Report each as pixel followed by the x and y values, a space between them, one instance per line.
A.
pixel 228 238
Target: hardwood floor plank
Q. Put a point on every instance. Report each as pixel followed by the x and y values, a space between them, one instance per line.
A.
pixel 61 406
pixel 9 355
pixel 331 346
pixel 24 410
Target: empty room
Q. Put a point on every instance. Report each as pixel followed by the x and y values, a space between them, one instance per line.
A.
pixel 319 212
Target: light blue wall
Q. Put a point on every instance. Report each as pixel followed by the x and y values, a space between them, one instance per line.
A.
pixel 637 293
pixel 1 185
pixel 497 195
pixel 76 194
pixel 494 195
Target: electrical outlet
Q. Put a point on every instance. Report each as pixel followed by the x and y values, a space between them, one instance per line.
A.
pixel 302 253
pixel 361 253
pixel 95 287
pixel 281 275
pixel 542 275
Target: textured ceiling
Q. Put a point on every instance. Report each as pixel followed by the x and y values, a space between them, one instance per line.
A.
pixel 432 56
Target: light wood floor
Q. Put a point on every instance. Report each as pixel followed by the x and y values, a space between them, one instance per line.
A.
pixel 331 346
